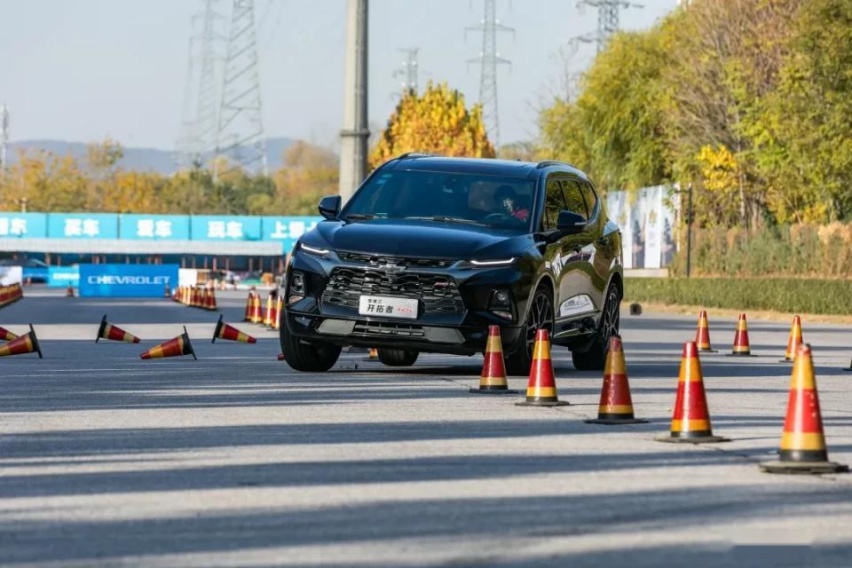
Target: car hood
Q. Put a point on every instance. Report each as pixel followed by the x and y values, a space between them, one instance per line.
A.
pixel 415 238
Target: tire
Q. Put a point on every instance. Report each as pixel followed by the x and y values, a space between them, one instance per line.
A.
pixel 307 357
pixel 397 357
pixel 594 359
pixel 539 315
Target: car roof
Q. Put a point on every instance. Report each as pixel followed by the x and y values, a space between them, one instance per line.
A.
pixel 485 166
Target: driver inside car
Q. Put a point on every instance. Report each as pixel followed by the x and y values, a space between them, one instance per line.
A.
pixel 507 202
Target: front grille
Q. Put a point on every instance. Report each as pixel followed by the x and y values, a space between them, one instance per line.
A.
pixel 379 260
pixel 376 329
pixel 438 293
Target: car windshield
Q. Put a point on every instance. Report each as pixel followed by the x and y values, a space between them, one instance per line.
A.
pixel 442 197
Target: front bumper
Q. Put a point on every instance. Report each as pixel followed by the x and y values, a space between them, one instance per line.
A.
pixel 457 325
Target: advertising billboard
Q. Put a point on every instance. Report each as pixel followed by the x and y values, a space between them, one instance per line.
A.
pixel 287 230
pixel 63 276
pixel 126 280
pixel 154 227
pixel 82 226
pixel 29 225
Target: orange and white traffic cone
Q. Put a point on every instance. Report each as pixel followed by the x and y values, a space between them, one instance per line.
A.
pixel 802 441
pixel 702 334
pixel 6 335
pixel 616 405
pixel 541 388
pixel 257 309
pixel 493 378
pixel 113 333
pixel 249 306
pixel 691 417
pixel 176 347
pixel 794 341
pixel 210 304
pixel 279 308
pixel 741 347
pixel 27 343
pixel 229 332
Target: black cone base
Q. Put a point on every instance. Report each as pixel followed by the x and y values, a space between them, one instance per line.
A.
pixel 545 403
pixel 804 468
pixel 492 391
pixel 668 438
pixel 615 421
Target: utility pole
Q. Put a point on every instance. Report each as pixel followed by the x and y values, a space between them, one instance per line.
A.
pixel 488 60
pixel 239 137
pixel 408 69
pixel 355 133
pixel 608 19
pixel 4 137
pixel 202 90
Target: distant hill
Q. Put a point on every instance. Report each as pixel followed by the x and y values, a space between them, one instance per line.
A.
pixel 139 159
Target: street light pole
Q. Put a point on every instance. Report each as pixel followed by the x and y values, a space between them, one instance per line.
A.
pixel 689 215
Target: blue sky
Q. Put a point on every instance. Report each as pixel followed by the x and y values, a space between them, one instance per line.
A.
pixel 86 69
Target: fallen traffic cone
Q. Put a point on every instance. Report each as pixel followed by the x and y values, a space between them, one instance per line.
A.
pixel 6 335
pixel 493 378
pixel 226 331
pixel 373 355
pixel 176 347
pixel 741 346
pixel 69 292
pixel 541 388
pixel 616 405
pixel 794 341
pixel 26 343
pixel 702 334
pixel 802 442
pixel 280 356
pixel 109 331
pixel 249 306
pixel 691 418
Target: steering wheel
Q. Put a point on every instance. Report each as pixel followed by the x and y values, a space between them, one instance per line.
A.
pixel 498 217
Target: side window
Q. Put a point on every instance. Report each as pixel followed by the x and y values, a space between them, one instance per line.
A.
pixel 589 196
pixel 554 202
pixel 574 197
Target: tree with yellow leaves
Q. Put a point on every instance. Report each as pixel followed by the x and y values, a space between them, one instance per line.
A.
pixel 436 120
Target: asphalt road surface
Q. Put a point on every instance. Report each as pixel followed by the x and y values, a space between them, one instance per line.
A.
pixel 234 460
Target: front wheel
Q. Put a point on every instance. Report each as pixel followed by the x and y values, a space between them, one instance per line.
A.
pixel 594 359
pixel 307 357
pixel 539 316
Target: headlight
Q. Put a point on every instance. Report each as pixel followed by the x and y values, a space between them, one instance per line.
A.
pixel 313 250
pixel 492 263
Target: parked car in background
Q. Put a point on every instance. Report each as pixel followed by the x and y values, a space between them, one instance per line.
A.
pixel 430 251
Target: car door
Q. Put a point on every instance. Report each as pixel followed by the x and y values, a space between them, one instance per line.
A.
pixel 607 245
pixel 578 294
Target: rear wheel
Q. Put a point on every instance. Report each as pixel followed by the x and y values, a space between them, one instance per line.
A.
pixel 397 357
pixel 539 316
pixel 307 357
pixel 595 358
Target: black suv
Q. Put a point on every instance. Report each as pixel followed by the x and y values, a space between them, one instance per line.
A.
pixel 430 251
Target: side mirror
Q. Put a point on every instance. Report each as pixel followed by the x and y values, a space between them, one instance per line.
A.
pixel 329 206
pixel 570 223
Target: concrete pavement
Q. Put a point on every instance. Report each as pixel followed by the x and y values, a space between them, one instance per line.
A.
pixel 234 460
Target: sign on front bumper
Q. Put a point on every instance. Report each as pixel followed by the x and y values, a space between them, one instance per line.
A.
pixel 405 308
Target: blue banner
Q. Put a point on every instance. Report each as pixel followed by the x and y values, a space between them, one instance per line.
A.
pixel 127 280
pixel 154 227
pixel 225 228
pixel 29 225
pixel 287 229
pixel 63 276
pixel 82 226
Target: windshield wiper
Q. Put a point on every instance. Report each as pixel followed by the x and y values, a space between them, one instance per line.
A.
pixel 444 219
pixel 359 217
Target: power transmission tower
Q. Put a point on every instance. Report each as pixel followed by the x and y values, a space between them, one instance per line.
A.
pixel 608 16
pixel 240 134
pixel 202 91
pixel 488 60
pixel 4 136
pixel 408 69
